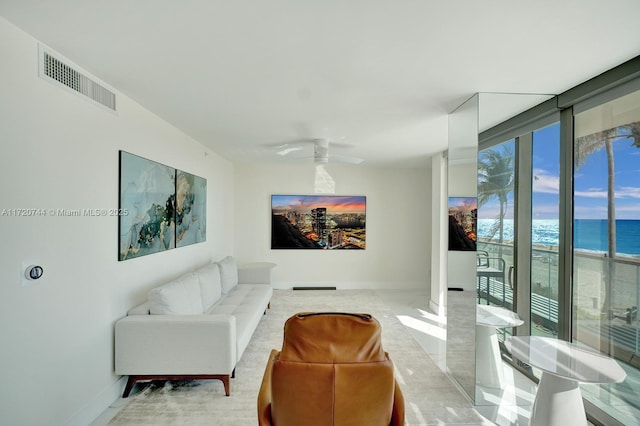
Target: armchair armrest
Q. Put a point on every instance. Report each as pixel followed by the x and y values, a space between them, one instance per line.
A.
pixel 264 395
pixel 397 416
pixel 175 344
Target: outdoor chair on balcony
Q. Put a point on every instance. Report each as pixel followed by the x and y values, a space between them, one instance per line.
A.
pixel 488 269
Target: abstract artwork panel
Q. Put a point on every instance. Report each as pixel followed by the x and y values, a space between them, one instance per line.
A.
pixel 463 223
pixel 191 209
pixel 318 222
pixel 147 193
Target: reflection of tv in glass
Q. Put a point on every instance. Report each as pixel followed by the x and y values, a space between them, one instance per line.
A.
pixel 318 222
pixel 463 223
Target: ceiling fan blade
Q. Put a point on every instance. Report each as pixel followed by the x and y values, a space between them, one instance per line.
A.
pixel 338 142
pixel 344 159
pixel 320 147
pixel 289 150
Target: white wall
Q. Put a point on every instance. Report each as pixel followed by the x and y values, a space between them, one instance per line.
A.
pixel 61 152
pixel 398 222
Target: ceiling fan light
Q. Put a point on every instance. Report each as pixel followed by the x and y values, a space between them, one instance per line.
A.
pixel 324 183
pixel 321 151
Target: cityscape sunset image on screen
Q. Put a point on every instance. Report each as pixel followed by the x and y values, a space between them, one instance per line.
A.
pixel 321 222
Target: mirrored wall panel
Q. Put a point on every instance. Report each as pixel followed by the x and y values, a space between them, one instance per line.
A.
pixel 461 260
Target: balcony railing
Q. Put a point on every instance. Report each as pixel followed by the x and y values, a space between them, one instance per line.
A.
pixel 601 312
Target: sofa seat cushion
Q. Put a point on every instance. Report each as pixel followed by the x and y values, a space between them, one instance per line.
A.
pixel 247 303
pixel 181 296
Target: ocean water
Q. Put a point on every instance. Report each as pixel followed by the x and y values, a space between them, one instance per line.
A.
pixel 589 234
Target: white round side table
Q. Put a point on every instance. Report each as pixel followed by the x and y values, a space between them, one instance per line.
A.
pixel 564 366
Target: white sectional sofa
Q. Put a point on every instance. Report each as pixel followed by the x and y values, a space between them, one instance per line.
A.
pixel 194 327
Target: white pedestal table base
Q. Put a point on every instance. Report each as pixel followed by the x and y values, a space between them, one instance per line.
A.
pixel 489 370
pixel 558 403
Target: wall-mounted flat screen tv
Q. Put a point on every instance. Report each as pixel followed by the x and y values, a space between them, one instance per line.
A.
pixel 318 222
pixel 463 223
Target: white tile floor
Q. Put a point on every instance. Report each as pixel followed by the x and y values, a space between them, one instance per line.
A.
pixel 507 407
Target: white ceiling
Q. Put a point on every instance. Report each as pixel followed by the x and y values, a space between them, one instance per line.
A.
pixel 240 76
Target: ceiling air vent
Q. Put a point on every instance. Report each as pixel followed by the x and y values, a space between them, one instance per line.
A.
pixel 59 71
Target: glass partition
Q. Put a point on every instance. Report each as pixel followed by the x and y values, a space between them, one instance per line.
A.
pixel 461 302
pixel 473 357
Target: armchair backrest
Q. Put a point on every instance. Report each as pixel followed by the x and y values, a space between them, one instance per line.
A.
pixel 332 370
pixel 328 337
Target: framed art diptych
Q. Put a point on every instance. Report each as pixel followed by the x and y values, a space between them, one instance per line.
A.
pixel 191 209
pixel 166 208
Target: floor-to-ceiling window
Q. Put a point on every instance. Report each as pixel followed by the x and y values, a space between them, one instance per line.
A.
pixel 606 246
pixel 559 227
pixel 545 233
pixel 502 192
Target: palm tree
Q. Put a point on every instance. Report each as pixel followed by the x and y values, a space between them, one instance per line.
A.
pixel 495 181
pixel 585 146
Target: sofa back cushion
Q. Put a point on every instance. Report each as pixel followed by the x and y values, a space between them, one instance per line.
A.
pixel 210 287
pixel 181 296
pixel 228 273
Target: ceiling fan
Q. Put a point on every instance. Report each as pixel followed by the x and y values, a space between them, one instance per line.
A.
pixel 324 183
pixel 320 151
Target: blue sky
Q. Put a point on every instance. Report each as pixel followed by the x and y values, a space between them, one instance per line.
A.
pixel 546 171
pixel 590 184
pixel 333 203
pixel 590 188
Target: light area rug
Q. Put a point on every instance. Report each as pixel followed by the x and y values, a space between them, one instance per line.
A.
pixel 430 397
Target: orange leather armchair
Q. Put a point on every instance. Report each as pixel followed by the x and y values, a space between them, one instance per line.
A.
pixel 332 370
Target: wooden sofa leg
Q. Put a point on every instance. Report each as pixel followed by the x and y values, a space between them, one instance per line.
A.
pixel 130 382
pixel 225 383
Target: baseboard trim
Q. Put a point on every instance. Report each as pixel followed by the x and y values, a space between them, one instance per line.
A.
pixel 437 309
pixel 99 405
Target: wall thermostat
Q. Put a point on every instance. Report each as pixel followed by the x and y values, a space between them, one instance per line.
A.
pixel 33 272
